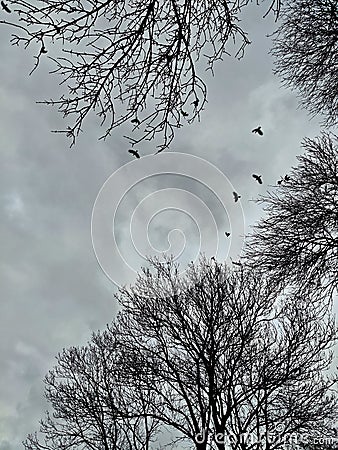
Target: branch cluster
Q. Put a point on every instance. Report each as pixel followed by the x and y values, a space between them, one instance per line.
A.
pixel 297 240
pixel 306 54
pixel 216 353
pixel 131 60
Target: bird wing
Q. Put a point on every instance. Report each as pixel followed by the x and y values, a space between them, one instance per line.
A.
pixel 258 178
pixel 5 7
pixel 236 196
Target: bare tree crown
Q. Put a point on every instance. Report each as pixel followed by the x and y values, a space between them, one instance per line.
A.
pixel 131 61
pixel 305 51
pixel 297 240
pixel 214 353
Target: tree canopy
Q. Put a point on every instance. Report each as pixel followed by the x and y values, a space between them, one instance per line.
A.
pixel 216 357
pixel 305 53
pixel 297 240
pixel 133 61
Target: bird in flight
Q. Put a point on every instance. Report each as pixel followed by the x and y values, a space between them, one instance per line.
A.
pixel 135 121
pixel 227 234
pixel 258 130
pixel 5 7
pixel 134 153
pixel 236 196
pixel 257 178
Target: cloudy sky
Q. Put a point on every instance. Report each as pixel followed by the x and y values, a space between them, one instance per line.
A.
pixel 54 291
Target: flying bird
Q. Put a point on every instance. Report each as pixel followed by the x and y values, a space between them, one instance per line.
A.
pixel 227 234
pixel 5 7
pixel 135 121
pixel 134 153
pixel 258 130
pixel 257 178
pixel 236 196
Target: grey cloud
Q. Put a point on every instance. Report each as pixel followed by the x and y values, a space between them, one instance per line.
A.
pixel 53 290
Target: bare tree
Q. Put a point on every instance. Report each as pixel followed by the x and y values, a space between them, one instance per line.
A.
pixel 297 240
pixel 130 60
pixel 305 51
pixel 214 356
pixel 92 408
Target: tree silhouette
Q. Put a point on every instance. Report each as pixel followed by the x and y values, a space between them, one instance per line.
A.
pixel 126 59
pixel 215 357
pixel 297 239
pixel 305 51
pixel 87 397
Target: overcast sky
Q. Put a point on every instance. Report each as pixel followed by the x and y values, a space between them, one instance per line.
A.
pixel 54 292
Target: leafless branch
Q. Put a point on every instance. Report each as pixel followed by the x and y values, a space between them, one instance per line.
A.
pixel 130 60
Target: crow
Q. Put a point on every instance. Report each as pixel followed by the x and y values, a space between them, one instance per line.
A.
pixel 5 7
pixel 135 121
pixel 227 234
pixel 43 49
pixel 286 178
pixel 236 196
pixel 195 102
pixel 134 153
pixel 280 181
pixel 258 130
pixel 184 114
pixel 258 178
